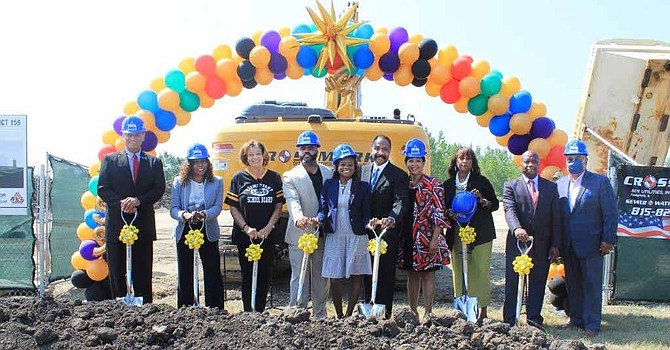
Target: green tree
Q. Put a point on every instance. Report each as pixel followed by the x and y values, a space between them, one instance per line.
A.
pixel 171 166
pixel 440 155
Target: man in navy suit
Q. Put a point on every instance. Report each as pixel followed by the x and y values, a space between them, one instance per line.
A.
pixel 531 209
pixel 589 211
pixel 130 182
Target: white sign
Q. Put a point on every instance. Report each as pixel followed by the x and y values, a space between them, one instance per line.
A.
pixel 13 165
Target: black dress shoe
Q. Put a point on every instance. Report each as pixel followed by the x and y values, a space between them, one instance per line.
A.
pixel 536 325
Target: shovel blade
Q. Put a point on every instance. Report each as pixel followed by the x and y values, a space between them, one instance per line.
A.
pixel 372 310
pixel 132 300
pixel 468 306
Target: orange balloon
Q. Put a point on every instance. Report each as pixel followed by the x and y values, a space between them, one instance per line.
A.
pixel 510 85
pixel 480 68
pixel 77 261
pixel 284 31
pixel 195 82
pixel 502 140
pixel 233 87
pixel 187 65
pixel 222 51
pixel 541 146
pixel 183 117
pixel 130 108
pixel 382 30
pixel 379 44
pixel 256 37
pixel 120 144
pixel 97 269
pixel 439 74
pixel 263 76
pixel 205 100
pixel 408 53
pixel 461 106
pixel 433 90
pixel 558 138
pixel 94 169
pixel 289 47
pixel 226 69
pixel 416 39
pixel 84 232
pixel 469 87
pixel 403 76
pixel 484 119
pixel 164 136
pixel 447 55
pixel 498 104
pixel 294 71
pixel 148 119
pixel 549 171
pixel 259 57
pixel 537 109
pixel 157 84
pixel 152 152
pixel 374 73
pixel 87 200
pixel 517 158
pixel 520 123
pixel 169 99
pixel 109 137
pixel 237 58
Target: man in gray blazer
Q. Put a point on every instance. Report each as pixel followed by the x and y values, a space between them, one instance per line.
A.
pixel 302 188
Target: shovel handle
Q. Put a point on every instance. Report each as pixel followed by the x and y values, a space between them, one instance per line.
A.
pixel 527 245
pixel 375 264
pixel 196 282
pixel 303 272
pixel 254 284
pixel 129 271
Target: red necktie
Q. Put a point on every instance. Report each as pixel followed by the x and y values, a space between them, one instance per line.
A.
pixel 136 168
pixel 533 193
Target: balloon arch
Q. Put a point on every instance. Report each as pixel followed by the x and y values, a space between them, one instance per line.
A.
pixel 329 44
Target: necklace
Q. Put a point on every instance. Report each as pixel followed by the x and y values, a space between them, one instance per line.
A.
pixel 462 185
pixel 343 186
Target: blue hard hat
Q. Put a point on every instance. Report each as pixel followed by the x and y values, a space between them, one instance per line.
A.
pixel 464 205
pixel 197 151
pixel 575 147
pixel 132 124
pixel 308 138
pixel 343 151
pixel 415 148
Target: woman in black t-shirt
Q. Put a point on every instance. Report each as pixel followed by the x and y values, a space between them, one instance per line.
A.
pixel 255 199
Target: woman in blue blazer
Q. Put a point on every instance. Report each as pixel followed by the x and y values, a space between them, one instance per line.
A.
pixel 344 211
pixel 196 197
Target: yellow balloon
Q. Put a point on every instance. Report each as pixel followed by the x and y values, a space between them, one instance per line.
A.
pixel 130 108
pixel 484 119
pixel 416 38
pixel 541 146
pixel 78 262
pixel 87 200
pixel 94 169
pixel 256 37
pixel 408 53
pixel 97 269
pixel 433 90
pixel 537 110
pixel 205 100
pixel 289 47
pixel 549 171
pixel 558 138
pixel 517 160
pixel 502 140
pixel 379 44
pixel 183 117
pixel 480 68
pixel 187 65
pixel 225 69
pixel 259 57
pixel 148 119
pixel 403 76
pixel 120 144
pixel 168 99
pixel 440 74
pixel 498 104
pixel 109 137
pixel 222 51
pixel 233 87
pixel 157 84
pixel 447 55
pixel 382 30
pixel 284 31
pixel 237 58
pixel 164 136
pixel 461 106
pixel 510 85
pixel 469 87
pixel 294 71
pixel 84 232
pixel 374 73
pixel 263 76
pixel 520 123
pixel 195 82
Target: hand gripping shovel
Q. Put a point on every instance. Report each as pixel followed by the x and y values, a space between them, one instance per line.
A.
pixel 130 298
pixel 521 288
pixel 196 281
pixel 469 306
pixel 373 309
pixel 303 272
pixel 254 280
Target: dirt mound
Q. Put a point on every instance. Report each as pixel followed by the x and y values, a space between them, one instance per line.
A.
pixel 64 324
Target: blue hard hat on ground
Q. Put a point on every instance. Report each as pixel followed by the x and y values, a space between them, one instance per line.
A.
pixel 575 147
pixel 197 151
pixel 308 138
pixel 464 205
pixel 415 148
pixel 132 124
pixel 343 151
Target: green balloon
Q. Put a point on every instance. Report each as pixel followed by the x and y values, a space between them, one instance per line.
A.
pixel 188 101
pixel 478 105
pixel 175 80
pixel 93 185
pixel 490 85
pixel 319 73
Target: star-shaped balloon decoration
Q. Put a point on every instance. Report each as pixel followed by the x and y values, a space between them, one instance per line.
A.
pixel 333 34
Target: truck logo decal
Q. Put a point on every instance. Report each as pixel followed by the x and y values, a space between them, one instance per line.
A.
pixel 284 156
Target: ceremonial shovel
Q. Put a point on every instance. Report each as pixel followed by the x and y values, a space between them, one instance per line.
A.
pixel 130 298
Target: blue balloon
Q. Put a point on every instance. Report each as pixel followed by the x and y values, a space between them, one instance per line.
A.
pixel 300 29
pixel 165 120
pixel 306 57
pixel 148 100
pixel 364 58
pixel 88 217
pixel 364 32
pixel 464 205
pixel 517 144
pixel 150 141
pixel 542 128
pixel 93 185
pixel 351 51
pixel 389 62
pixel 520 102
pixel 499 125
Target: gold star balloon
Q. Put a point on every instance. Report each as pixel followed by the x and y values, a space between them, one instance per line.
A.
pixel 332 33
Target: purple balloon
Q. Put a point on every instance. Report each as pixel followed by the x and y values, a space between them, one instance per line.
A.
pixel 389 62
pixel 517 144
pixel 117 124
pixel 150 141
pixel 388 76
pixel 542 128
pixel 86 249
pixel 278 63
pixel 398 36
pixel 280 76
pixel 271 41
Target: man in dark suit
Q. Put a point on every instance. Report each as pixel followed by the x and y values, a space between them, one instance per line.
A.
pixel 531 209
pixel 590 217
pixel 389 185
pixel 130 182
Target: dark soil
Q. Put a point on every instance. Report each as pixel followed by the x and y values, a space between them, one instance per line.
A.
pixel 27 323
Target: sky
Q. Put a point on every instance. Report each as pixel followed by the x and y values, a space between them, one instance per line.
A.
pixel 71 66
